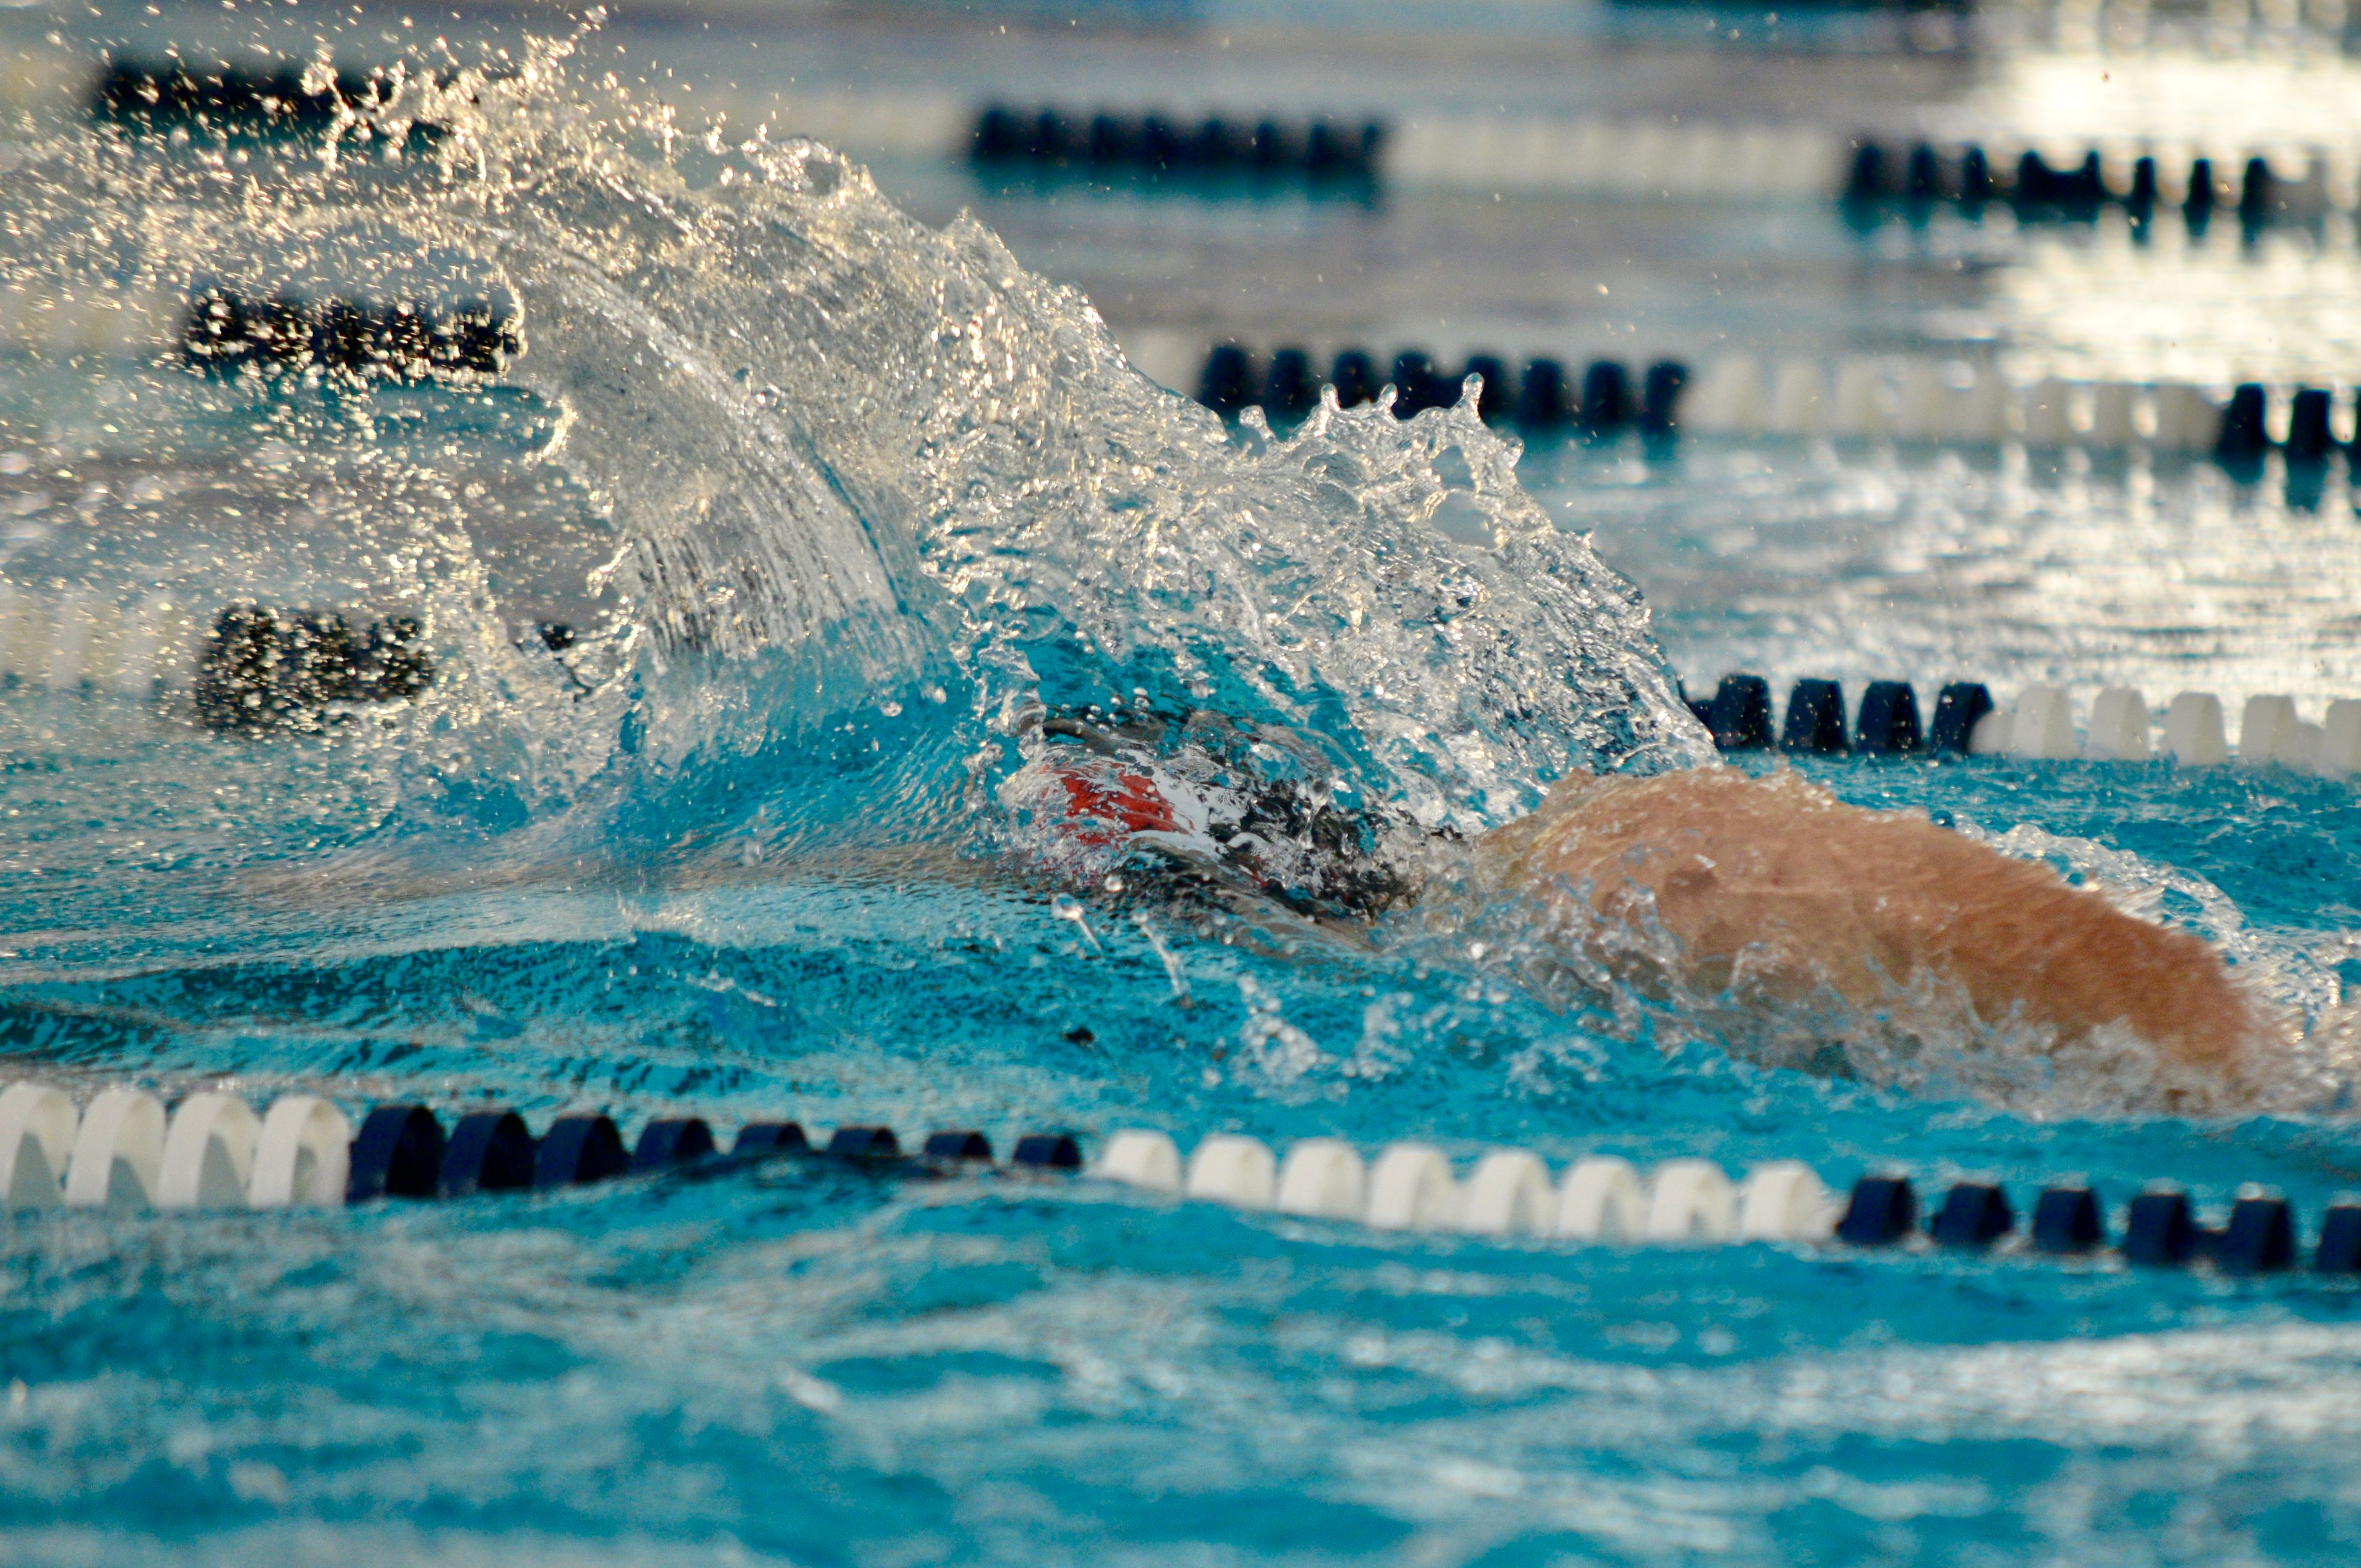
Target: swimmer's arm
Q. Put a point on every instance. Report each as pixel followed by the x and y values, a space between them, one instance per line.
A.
pixel 1810 890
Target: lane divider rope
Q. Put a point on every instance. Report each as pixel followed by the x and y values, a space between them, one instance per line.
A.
pixel 2039 726
pixel 1629 157
pixel 257 668
pixel 2137 177
pixel 1918 397
pixel 254 669
pixel 1508 1192
pixel 124 1151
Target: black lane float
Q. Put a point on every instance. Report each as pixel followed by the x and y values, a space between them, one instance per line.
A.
pixel 1047 139
pixel 228 333
pixel 266 669
pixel 1541 399
pixel 1922 174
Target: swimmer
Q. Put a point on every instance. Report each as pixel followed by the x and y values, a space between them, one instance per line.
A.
pixel 1812 890
pixel 1774 875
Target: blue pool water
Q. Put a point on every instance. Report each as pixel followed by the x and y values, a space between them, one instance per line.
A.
pixel 832 497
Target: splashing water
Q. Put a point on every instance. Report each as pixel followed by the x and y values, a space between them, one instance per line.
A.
pixel 845 504
pixel 883 456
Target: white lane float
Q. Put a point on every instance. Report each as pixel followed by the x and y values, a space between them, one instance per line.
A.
pixel 1691 1200
pixel 303 1155
pixel 1411 1188
pixel 1142 1159
pixel 1508 1194
pixel 208 1154
pixel 1324 1179
pixel 1235 1170
pixel 1602 1200
pixel 36 1137
pixel 118 1152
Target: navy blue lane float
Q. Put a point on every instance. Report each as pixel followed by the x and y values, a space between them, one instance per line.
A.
pixel 956 1148
pixel 1739 717
pixel 579 1149
pixel 671 1140
pixel 1974 1214
pixel 1540 398
pixel 1047 1151
pixel 228 332
pixel 1158 146
pixel 1921 175
pixel 286 98
pixel 398 1152
pixel 1888 718
pixel 769 1138
pixel 1601 400
pixel 1816 719
pixel 488 1151
pixel 404 1151
pixel 2067 1219
pixel 2161 1228
pixel 1958 710
pixel 1884 1210
pixel 273 669
pixel 864 1146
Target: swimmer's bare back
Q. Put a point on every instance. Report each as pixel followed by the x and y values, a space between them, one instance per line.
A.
pixel 1807 891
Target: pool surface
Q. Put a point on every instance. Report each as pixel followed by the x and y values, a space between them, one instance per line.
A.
pixel 836 492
